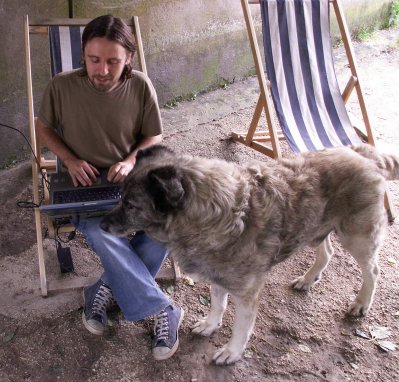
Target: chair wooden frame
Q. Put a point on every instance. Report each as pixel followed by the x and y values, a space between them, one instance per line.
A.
pixel 40 165
pixel 256 139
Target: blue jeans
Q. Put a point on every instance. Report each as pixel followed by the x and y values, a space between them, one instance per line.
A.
pixel 129 268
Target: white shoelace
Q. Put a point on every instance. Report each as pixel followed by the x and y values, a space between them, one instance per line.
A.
pixel 102 300
pixel 161 327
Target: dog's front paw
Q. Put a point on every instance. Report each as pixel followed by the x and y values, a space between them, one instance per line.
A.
pixel 358 309
pixel 227 355
pixel 205 327
pixel 304 283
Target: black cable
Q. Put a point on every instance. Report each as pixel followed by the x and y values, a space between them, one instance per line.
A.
pixel 28 204
pixel 26 139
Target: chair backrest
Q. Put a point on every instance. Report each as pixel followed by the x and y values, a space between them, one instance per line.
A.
pixel 300 68
pixel 65 47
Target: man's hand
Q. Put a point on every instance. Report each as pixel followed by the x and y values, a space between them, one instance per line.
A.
pixel 119 171
pixel 81 172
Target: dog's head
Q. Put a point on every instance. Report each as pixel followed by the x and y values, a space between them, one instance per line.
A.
pixel 150 193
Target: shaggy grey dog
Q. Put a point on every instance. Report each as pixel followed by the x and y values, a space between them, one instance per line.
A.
pixel 228 224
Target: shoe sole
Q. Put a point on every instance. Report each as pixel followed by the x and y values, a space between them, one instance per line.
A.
pixel 175 346
pixel 92 330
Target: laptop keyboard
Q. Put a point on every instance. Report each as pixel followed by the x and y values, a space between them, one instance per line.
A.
pixel 87 195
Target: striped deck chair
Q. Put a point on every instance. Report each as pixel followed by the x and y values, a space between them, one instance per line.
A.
pixel 65 54
pixel 301 87
pixel 65 48
pixel 66 44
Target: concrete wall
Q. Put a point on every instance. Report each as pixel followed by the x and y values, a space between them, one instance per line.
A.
pixel 190 46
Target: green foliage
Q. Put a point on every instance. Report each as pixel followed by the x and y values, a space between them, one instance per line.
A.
pixel 221 83
pixel 9 162
pixel 394 15
pixel 186 97
pixel 364 33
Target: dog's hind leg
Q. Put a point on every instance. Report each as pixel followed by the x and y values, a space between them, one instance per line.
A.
pixel 323 255
pixel 246 309
pixel 213 321
pixel 365 251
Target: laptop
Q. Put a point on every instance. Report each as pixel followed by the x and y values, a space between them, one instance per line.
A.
pixel 66 200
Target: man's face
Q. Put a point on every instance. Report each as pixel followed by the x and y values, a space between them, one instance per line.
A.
pixel 105 61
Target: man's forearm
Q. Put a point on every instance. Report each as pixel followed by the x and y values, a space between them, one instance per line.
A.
pixel 144 143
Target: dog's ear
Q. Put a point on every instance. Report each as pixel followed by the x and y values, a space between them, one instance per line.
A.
pixel 165 187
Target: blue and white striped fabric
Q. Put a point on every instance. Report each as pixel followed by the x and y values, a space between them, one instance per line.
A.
pixel 300 68
pixel 65 48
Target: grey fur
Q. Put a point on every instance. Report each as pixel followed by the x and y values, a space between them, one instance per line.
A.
pixel 228 224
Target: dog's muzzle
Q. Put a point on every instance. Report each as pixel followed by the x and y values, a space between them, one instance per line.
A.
pixel 105 224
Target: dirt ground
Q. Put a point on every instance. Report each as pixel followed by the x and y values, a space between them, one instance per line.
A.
pixel 297 337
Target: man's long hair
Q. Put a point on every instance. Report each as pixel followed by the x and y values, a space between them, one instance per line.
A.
pixel 113 29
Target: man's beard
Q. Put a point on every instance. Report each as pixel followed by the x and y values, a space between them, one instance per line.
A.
pixel 103 86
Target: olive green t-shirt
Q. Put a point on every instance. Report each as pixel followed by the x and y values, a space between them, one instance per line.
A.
pixel 101 127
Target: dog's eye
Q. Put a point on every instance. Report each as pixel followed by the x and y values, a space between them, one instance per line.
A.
pixel 131 206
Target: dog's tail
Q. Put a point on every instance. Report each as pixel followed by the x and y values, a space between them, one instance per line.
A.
pixel 387 163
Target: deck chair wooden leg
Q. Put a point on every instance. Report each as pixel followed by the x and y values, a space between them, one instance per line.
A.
pixel 264 98
pixel 139 43
pixel 40 254
pixel 254 122
pixel 264 101
pixel 355 81
pixel 176 269
pixel 171 274
pixel 248 138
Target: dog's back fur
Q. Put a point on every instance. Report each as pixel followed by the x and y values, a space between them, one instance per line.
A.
pixel 228 223
pixel 278 207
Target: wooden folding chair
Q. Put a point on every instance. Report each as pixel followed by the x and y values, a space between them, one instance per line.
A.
pixel 301 87
pixel 65 51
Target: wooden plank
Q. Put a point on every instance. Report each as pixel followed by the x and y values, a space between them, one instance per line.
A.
pixel 67 284
pixel 66 22
pixel 239 137
pixel 258 136
pixel 176 269
pixel 79 282
pixel 255 120
pixel 35 166
pixel 48 164
pixel 349 88
pixel 38 29
pixel 40 254
pixel 263 149
pixel 139 43
pixel 266 137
